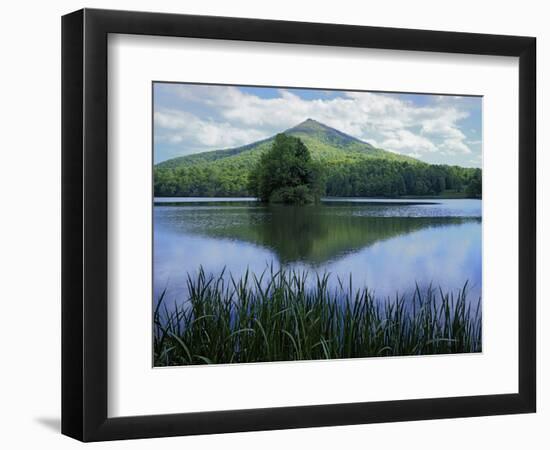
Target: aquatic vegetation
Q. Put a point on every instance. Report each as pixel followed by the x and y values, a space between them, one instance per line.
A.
pixel 287 315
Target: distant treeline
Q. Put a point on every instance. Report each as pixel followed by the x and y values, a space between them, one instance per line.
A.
pixel 374 178
pixel 368 178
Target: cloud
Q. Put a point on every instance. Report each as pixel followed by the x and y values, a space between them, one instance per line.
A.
pixel 403 141
pixel 202 117
pixel 181 127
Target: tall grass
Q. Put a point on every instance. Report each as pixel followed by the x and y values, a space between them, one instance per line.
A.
pixel 280 316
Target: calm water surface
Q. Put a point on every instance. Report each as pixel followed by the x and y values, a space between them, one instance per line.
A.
pixel 386 245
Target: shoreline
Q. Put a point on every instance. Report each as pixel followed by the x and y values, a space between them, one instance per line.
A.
pixel 393 200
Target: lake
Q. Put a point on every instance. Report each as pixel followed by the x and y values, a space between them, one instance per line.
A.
pixel 387 245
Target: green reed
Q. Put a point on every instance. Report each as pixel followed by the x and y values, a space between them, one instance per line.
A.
pixel 279 316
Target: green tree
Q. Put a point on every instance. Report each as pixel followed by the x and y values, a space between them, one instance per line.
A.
pixel 286 173
pixel 473 190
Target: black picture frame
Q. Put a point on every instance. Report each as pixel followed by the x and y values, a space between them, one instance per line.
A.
pixel 84 224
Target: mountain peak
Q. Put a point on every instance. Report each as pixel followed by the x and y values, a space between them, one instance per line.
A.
pixel 324 132
pixel 311 124
pixel 311 121
pixel 323 141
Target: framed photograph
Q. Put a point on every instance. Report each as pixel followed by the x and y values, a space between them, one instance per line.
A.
pixel 273 225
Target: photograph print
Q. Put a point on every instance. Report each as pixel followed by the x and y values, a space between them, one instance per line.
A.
pixel 314 224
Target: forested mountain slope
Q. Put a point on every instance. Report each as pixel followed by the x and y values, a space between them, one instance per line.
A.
pixel 350 167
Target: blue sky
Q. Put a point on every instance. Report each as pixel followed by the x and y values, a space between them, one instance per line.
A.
pixel 192 118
